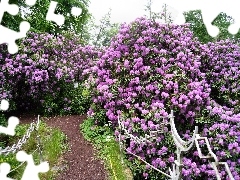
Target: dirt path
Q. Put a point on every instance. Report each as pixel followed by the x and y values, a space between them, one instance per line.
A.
pixel 81 162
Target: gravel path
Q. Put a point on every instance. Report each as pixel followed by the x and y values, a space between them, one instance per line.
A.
pixel 81 161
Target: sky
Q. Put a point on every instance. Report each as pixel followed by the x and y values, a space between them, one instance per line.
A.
pixel 122 10
pixel 129 10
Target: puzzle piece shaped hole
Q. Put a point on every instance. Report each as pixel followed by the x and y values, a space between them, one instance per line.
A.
pixel 31 171
pixel 4 171
pixel 4 105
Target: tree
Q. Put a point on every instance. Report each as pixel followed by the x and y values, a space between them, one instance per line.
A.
pixel 200 31
pixel 102 34
pixel 163 16
pixel 13 22
pixel 196 22
pixel 109 33
pixel 36 16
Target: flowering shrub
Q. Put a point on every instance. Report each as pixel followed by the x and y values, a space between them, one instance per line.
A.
pixel 43 73
pixel 150 69
pixel 222 67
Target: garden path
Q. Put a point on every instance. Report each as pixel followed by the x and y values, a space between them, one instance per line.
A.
pixel 81 161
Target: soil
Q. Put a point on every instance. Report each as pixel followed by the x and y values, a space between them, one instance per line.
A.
pixel 80 161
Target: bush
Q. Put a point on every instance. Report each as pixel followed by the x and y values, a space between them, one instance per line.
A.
pixel 148 70
pixel 222 67
pixel 43 73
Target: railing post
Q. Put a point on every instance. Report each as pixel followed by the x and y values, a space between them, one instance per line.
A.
pixel 181 145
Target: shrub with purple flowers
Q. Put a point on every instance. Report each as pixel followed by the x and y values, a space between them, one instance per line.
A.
pixel 42 75
pixel 222 67
pixel 150 69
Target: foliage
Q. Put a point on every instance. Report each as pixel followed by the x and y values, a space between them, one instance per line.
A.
pixel 108 33
pixel 150 69
pixel 3 121
pixel 53 143
pixel 200 31
pixel 36 16
pixel 102 34
pixel 143 72
pixel 42 75
pixel 222 68
pixel 164 15
pixel 13 22
pixel 108 148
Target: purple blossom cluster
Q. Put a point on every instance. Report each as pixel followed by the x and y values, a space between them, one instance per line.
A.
pixel 44 69
pixel 221 64
pixel 150 69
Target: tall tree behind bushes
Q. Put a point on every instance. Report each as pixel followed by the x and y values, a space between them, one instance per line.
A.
pixel 222 21
pixel 164 15
pixel 101 34
pixel 36 16
pixel 197 26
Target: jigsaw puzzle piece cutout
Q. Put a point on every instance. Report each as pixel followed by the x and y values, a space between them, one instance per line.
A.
pixel 51 16
pixel 9 36
pixel 208 17
pixel 32 170
pixel 30 2
pixel 235 14
pixel 210 10
pixel 4 170
pixel 76 11
pixel 58 18
pixel 12 121
pixel 12 9
pixel 4 105
pixel 10 129
pixel 214 8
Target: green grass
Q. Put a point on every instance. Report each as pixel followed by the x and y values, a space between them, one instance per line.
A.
pixel 107 148
pixel 111 153
pixel 53 144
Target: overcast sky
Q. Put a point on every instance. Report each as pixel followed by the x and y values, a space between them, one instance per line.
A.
pixel 122 10
pixel 129 10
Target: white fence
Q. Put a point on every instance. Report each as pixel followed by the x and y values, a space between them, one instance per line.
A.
pixel 181 145
pixel 18 146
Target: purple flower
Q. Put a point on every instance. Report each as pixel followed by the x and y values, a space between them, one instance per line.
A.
pixel 145 175
pixel 162 164
pixel 127 105
pixel 171 159
pixel 144 127
pixel 194 165
pixel 186 172
pixel 144 111
pixel 164 149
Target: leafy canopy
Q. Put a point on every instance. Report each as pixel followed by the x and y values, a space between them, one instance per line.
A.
pixel 36 16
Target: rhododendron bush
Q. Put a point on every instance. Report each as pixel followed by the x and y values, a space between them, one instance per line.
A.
pixel 150 69
pixel 222 70
pixel 43 73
